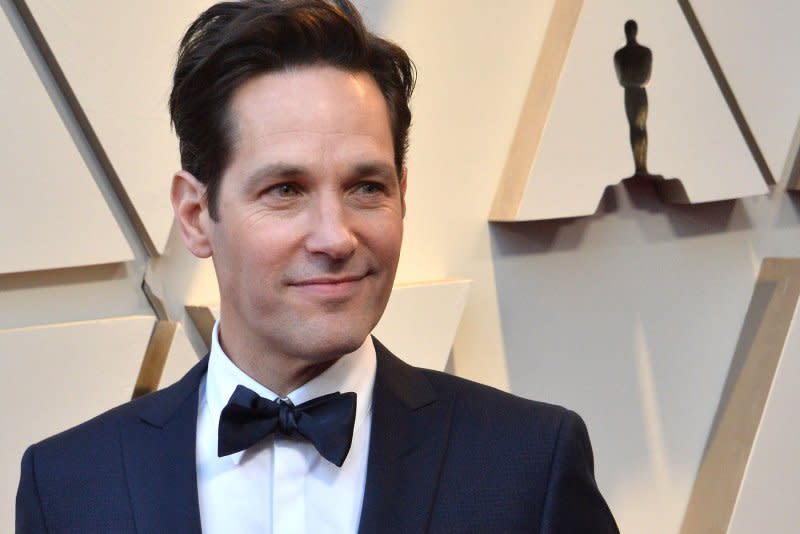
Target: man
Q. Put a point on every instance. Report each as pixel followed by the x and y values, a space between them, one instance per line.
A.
pixel 293 123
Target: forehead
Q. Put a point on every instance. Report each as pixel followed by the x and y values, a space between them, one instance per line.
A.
pixel 306 102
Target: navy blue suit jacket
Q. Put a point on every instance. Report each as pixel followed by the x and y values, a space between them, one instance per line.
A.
pixel 446 455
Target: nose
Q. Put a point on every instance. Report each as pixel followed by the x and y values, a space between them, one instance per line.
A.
pixel 331 233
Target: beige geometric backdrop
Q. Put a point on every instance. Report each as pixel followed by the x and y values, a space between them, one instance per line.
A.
pixel 630 316
pixel 572 138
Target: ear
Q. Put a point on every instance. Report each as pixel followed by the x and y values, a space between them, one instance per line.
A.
pixel 190 205
pixel 403 184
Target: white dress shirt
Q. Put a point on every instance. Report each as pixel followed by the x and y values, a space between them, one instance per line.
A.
pixel 282 485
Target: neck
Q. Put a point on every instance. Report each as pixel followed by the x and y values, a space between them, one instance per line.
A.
pixel 279 373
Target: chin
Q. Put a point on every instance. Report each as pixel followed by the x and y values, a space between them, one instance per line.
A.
pixel 342 346
pixel 320 336
pixel 327 347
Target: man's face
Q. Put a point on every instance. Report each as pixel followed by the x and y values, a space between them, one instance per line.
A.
pixel 310 215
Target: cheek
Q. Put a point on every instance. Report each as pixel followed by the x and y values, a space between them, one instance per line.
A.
pixel 266 255
pixel 246 257
pixel 386 240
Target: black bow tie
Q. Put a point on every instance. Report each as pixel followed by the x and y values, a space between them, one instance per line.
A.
pixel 327 422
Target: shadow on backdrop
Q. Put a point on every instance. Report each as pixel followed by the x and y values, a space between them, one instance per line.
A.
pixel 625 201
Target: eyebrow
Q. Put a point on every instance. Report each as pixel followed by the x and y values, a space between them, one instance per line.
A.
pixel 279 169
pixel 375 168
pixel 282 169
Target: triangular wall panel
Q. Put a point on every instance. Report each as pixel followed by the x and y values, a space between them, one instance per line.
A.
pixel 124 89
pixel 741 476
pixel 58 376
pixel 766 85
pixel 42 226
pixel 767 500
pixel 565 155
pixel 180 359
pixel 421 320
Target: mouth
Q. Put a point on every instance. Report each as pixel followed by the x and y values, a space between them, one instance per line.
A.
pixel 335 287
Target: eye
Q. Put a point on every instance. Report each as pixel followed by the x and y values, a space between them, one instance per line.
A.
pixel 286 190
pixel 369 188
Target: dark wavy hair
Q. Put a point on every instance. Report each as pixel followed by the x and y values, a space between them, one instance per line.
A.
pixel 232 42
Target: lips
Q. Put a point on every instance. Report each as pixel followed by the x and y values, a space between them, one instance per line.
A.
pixel 330 280
pixel 335 287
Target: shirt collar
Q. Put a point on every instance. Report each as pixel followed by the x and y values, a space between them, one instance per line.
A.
pixel 352 372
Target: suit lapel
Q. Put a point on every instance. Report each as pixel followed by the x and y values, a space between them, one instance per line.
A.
pixel 159 458
pixel 410 428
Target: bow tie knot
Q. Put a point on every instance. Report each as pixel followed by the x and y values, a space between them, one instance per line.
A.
pixel 327 422
pixel 287 422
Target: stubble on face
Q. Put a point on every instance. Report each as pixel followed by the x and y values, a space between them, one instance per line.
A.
pixel 310 222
